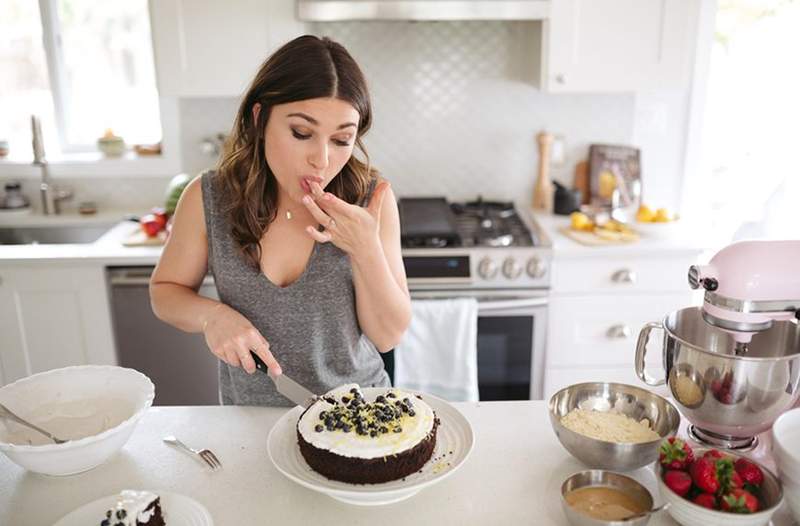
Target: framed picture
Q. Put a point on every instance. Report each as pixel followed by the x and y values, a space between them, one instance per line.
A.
pixel 615 175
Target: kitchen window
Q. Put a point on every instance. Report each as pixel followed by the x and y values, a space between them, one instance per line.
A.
pixel 84 66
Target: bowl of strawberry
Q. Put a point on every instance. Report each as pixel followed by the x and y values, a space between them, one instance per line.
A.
pixel 708 487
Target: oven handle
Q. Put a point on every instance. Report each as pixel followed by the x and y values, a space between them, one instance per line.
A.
pixel 486 305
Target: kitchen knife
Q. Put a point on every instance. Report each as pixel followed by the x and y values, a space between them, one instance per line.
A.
pixel 286 386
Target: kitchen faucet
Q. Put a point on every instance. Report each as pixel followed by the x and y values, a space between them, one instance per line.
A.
pixel 52 195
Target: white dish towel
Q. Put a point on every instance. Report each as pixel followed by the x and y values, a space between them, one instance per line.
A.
pixel 439 352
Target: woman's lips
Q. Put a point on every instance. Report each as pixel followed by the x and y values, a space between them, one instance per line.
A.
pixel 305 183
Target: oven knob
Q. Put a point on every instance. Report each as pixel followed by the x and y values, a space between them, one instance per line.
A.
pixel 511 268
pixel 487 269
pixel 536 267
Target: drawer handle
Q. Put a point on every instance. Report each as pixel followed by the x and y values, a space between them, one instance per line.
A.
pixel 620 331
pixel 624 276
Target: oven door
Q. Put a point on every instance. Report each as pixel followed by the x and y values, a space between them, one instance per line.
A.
pixel 511 340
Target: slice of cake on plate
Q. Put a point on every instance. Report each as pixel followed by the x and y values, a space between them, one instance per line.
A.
pixel 135 508
pixel 348 438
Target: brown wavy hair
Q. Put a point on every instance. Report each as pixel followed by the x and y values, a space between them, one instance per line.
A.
pixel 308 67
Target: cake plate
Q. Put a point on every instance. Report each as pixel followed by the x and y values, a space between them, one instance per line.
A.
pixel 454 441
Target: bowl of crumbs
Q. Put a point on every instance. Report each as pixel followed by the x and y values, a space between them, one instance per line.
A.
pixel 610 425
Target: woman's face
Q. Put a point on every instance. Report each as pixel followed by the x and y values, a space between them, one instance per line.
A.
pixel 309 140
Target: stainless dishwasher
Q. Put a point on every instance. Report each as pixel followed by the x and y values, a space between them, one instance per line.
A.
pixel 180 365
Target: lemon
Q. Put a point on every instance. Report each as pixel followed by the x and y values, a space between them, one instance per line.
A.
pixel 663 216
pixel 580 221
pixel 645 214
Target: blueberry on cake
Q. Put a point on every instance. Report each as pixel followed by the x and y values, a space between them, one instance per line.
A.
pixel 135 508
pixel 346 437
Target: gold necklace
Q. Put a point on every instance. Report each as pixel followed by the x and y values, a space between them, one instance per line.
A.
pixel 288 214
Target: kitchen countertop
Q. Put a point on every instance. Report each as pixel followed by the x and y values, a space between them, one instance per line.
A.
pixel 513 475
pixel 107 250
pixel 682 238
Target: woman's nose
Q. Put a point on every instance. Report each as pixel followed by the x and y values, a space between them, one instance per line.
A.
pixel 318 158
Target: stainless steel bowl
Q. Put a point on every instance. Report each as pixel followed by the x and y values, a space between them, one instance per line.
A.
pixel 598 477
pixel 634 402
pixel 728 397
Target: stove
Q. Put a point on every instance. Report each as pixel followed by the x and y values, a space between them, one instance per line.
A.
pixel 476 244
pixel 490 252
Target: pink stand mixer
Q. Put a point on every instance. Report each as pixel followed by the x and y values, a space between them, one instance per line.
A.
pixel 733 365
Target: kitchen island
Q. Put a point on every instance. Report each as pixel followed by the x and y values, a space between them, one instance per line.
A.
pixel 513 475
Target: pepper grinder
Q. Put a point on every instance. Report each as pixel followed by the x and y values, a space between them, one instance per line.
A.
pixel 543 189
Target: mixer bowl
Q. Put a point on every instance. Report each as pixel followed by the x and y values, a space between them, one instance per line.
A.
pixel 729 398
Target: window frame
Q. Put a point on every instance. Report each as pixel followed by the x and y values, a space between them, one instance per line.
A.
pixel 76 160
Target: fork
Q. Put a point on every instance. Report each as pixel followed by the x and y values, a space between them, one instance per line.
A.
pixel 206 454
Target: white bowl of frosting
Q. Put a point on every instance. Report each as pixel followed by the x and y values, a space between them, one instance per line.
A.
pixel 95 408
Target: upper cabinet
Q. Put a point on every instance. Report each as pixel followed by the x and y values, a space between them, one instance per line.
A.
pixel 207 48
pixel 617 45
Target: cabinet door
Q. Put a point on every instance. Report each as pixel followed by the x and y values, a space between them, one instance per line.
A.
pixel 617 45
pixel 52 318
pixel 207 48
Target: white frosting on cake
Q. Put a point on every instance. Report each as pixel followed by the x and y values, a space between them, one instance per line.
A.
pixel 414 428
pixel 135 504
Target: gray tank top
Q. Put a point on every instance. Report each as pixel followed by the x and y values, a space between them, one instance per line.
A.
pixel 311 324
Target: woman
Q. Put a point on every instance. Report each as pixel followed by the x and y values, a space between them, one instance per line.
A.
pixel 302 237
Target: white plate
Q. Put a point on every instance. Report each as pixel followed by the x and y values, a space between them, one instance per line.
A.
pixel 178 510
pixel 454 434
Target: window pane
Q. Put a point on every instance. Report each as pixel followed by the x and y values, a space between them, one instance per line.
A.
pixel 24 86
pixel 109 70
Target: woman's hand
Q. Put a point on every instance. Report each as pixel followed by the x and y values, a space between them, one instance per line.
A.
pixel 231 337
pixel 352 228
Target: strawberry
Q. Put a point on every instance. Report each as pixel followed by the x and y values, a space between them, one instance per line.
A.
pixel 704 474
pixel 706 500
pixel 749 472
pixel 675 454
pixel 678 481
pixel 736 480
pixel 740 501
pixel 714 454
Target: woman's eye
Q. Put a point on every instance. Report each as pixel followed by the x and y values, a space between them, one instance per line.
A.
pixel 341 143
pixel 298 135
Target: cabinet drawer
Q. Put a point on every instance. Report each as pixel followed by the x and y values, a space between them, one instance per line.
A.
pixel 555 379
pixel 602 330
pixel 621 275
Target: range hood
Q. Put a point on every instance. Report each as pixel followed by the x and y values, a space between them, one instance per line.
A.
pixel 337 10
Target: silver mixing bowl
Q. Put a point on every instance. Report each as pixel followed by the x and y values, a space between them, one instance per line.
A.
pixel 629 400
pixel 599 477
pixel 729 398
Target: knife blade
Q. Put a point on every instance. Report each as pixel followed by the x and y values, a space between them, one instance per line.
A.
pixel 286 386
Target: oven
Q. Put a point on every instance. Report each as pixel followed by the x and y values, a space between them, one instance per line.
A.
pixel 488 251
pixel 511 340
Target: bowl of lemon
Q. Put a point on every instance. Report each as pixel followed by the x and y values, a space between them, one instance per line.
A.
pixel 656 223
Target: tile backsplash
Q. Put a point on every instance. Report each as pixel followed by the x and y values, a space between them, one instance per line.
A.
pixel 456 113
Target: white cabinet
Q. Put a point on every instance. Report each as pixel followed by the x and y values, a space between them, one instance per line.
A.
pixel 617 45
pixel 207 48
pixel 52 318
pixel 598 305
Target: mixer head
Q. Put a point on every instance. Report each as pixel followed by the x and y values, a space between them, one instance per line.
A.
pixel 748 285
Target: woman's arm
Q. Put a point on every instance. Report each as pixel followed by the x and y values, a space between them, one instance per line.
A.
pixel 382 300
pixel 178 276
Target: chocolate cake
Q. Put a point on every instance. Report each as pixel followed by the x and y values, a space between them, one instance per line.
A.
pixel 135 508
pixel 345 437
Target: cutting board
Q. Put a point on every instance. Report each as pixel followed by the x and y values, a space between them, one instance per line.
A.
pixel 593 240
pixel 138 238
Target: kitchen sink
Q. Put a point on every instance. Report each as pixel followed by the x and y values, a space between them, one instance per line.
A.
pixel 52 234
